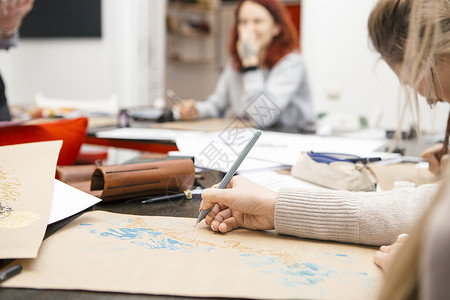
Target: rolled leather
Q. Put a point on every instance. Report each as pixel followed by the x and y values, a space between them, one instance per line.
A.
pixel 71 174
pixel 144 179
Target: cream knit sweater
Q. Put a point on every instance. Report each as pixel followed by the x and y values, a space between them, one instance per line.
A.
pixel 372 218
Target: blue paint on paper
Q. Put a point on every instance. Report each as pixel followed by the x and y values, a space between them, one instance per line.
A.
pixel 336 254
pixel 143 237
pixel 120 249
pixel 292 275
pixel 168 243
pixel 130 233
pixel 247 254
pixel 312 266
pixel 302 274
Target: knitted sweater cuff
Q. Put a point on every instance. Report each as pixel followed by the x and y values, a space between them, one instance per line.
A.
pixel 335 217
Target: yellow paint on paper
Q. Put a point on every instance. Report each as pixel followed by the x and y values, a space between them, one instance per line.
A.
pixel 18 219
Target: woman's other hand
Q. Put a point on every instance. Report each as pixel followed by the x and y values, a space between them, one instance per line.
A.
pixel 434 157
pixel 385 256
pixel 242 204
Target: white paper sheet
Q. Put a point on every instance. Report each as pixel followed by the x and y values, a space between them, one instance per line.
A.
pixel 68 201
pixel 218 149
pixel 280 148
pixel 146 134
pixel 286 148
pixel 275 181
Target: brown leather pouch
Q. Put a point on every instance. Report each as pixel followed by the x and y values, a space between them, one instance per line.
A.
pixel 144 179
pixel 71 174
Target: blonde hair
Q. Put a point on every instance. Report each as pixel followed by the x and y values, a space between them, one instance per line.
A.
pixel 413 35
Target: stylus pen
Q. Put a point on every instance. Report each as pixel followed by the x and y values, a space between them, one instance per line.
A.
pixel 232 170
pixel 186 194
pixel 363 159
pixel 10 272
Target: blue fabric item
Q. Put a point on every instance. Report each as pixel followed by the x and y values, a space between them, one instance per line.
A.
pixel 327 158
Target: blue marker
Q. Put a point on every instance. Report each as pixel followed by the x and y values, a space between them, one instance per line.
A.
pixel 232 170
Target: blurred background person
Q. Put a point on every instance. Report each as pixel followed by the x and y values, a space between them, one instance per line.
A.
pixel 12 13
pixel 265 79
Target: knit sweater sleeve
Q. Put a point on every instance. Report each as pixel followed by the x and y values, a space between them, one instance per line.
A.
pixel 218 101
pixel 356 217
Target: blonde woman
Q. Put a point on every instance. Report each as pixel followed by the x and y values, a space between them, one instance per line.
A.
pixel 413 37
pixel 357 217
pixel 11 16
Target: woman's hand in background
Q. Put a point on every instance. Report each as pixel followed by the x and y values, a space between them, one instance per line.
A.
pixel 12 13
pixel 187 109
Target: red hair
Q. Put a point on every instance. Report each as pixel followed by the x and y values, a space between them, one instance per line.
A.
pixel 285 42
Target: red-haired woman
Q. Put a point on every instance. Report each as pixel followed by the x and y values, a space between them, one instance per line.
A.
pixel 265 79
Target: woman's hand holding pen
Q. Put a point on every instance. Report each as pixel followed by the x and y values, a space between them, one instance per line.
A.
pixel 242 204
pixel 11 14
pixel 434 157
pixel 187 109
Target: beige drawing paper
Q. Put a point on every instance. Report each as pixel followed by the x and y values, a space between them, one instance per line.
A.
pixel 27 172
pixel 102 251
